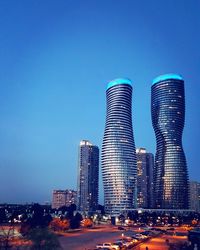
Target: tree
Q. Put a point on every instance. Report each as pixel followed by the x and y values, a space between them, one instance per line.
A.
pixel 63 209
pixel 43 239
pixel 101 208
pixel 71 210
pixel 75 221
pixel 154 218
pixel 14 216
pixel 130 215
pixel 121 218
pixel 87 222
pixel 3 217
pixel 6 236
pixel 59 225
pixel 38 219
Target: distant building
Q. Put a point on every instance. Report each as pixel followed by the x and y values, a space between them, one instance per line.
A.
pixel 63 198
pixel 195 196
pixel 88 177
pixel 145 164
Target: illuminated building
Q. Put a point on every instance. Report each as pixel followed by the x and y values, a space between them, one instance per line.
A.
pixel 195 196
pixel 63 198
pixel 168 116
pixel 145 164
pixel 119 170
pixel 88 177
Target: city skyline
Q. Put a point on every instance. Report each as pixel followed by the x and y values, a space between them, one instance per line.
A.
pixel 56 60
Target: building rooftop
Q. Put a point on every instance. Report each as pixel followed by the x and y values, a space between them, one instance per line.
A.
pixel 85 143
pixel 167 77
pixel 119 81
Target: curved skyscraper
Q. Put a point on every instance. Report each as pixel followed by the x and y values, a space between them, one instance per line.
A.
pixel 118 150
pixel 168 116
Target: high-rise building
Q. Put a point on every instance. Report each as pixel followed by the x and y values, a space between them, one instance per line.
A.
pixel 63 198
pixel 195 196
pixel 168 117
pixel 88 177
pixel 145 164
pixel 119 169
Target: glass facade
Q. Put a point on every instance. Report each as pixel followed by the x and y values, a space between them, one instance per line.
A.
pixel 145 164
pixel 168 116
pixel 88 177
pixel 119 170
pixel 195 196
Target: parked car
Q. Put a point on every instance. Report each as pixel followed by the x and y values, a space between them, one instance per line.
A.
pixel 119 243
pixel 125 242
pixel 140 236
pixel 134 240
pixel 108 245
pixel 98 246
pixel 122 242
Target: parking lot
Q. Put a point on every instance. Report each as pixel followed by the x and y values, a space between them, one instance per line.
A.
pixel 90 238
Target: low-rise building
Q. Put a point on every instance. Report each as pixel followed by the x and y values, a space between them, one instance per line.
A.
pixel 63 198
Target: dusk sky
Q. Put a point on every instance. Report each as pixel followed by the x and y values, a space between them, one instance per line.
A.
pixel 56 58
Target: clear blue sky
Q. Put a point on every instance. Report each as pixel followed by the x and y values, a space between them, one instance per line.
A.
pixel 56 57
